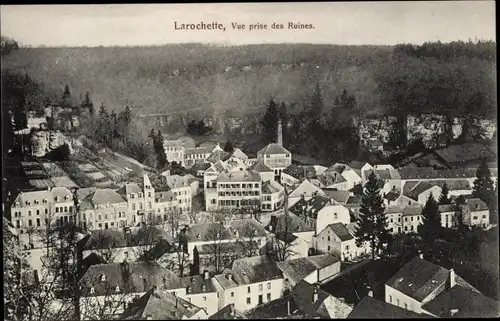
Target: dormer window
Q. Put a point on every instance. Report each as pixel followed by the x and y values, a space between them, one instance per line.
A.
pixel 36 202
pixel 92 290
pixel 203 288
pixel 198 237
pixel 66 197
pixel 27 202
pixel 103 277
pixel 117 289
pixel 56 198
pixel 255 232
pixel 188 290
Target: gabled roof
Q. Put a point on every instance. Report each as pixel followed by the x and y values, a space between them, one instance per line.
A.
pixel 298 269
pixel 357 164
pixel 130 188
pixel 238 153
pixel 160 305
pixel 199 150
pixel 384 173
pixel 476 204
pixel 338 196
pixel 467 303
pixel 330 178
pixel 302 294
pixel 273 149
pixel 228 313
pixel 200 166
pixel 157 251
pixel 249 270
pixel 218 155
pixel 204 232
pixel 104 196
pixel 300 171
pixel 271 187
pixel 452 184
pixel 370 308
pixel 239 176
pixel 341 231
pixel 418 278
pixel 295 224
pixel 260 167
pixel 307 189
pixel 412 210
pixel 197 284
pixel 417 190
pixel 130 277
pixel 311 206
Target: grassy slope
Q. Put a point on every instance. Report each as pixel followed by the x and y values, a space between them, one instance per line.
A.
pixel 143 78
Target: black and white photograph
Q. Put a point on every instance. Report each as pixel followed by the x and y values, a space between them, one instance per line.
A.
pixel 211 161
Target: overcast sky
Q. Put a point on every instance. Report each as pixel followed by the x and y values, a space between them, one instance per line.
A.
pixel 380 23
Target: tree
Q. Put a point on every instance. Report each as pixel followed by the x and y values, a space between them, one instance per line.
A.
pixel 146 237
pixel 20 115
pixel 228 148
pixel 87 103
pixel 282 240
pixel 218 251
pixel 483 185
pixel 66 97
pixel 249 242
pixel 127 115
pixel 431 228
pixel 373 220
pixel 443 198
pixel 269 122
pixel 459 214
pixel 177 261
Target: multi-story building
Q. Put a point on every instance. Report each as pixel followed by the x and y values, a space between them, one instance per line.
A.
pixel 103 209
pixel 404 219
pixel 338 238
pixel 272 196
pixel 275 156
pixel 250 282
pixel 181 187
pixel 236 190
pixel 140 200
pixel 35 209
pixel 175 149
pixel 196 155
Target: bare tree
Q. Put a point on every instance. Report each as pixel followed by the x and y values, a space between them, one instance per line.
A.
pixel 249 241
pixel 219 254
pixel 178 260
pixel 222 215
pixel 104 246
pixel 194 217
pixel 283 238
pixel 102 301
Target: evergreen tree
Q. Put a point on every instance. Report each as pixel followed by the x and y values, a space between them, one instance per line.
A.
pixel 66 97
pixel 373 226
pixel 483 185
pixel 443 198
pixel 87 103
pixel 19 113
pixel 269 122
pixel 195 266
pixel 459 214
pixel 431 223
pixel 161 156
pixel 127 115
pixel 228 148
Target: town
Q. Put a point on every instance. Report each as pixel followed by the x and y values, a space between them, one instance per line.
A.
pixel 271 181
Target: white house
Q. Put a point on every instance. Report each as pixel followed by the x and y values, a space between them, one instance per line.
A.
pixel 336 238
pixel 305 190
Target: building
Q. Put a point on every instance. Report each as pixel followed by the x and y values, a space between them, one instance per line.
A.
pixel 305 190
pixel 305 301
pixel 360 168
pixel 182 187
pixel 238 189
pixel 250 282
pixel 389 177
pixel 265 172
pixel 420 191
pixel 140 199
pixel 275 156
pixel 322 211
pixel 294 174
pixel 336 238
pixel 312 269
pixel 272 196
pixel 419 282
pixel 104 209
pixel 162 305
pixel 404 219
pixel 119 284
pixel 196 155
pixel 476 213
pixel 341 177
pixel 175 149
pixel 228 313
pixel 201 291
pixel 36 209
pixel 370 308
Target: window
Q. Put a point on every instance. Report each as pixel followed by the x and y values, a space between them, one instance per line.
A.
pixel 412 218
pixel 484 216
pixel 475 217
pixel 46 211
pixel 37 222
pixel 269 297
pixel 406 306
pixel 406 219
pixel 232 294
pixel 390 298
pixel 57 209
pixel 269 285
pixel 397 302
pixel 249 301
pixel 328 238
pixel 260 287
pixel 29 213
pixel 328 247
pixel 248 289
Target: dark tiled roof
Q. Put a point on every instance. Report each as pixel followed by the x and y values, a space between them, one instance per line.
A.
pixel 103 239
pixel 302 294
pixel 276 309
pixel 218 155
pixel 205 232
pixel 260 167
pixel 270 187
pixel 198 284
pixel 417 190
pixel 464 152
pixel 341 231
pixel 129 277
pixel 354 200
pixel 228 313
pixel 298 269
pixel 313 205
pixel 295 224
pixel 391 196
pixel 273 149
pixel 418 278
pixel 356 164
pixel 452 184
pixel 246 226
pixel 469 304
pixel 329 178
pixel 338 196
pixel 200 166
pixel 412 210
pixel 157 251
pixel 249 270
pixel 476 204
pixel 370 308
pixel 129 189
pixel 160 306
pixel 300 172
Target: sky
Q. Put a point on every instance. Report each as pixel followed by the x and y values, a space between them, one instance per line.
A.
pixel 350 23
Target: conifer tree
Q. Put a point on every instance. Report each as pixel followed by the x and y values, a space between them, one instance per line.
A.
pixel 373 226
pixel 87 103
pixel 229 148
pixel 459 214
pixel 431 223
pixel 483 185
pixel 443 198
pixel 269 121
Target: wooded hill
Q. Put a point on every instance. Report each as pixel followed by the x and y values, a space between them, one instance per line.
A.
pixel 205 80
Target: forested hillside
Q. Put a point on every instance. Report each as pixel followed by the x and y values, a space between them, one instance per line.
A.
pixel 204 80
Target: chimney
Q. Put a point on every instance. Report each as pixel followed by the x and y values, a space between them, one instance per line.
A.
pixel 279 139
pixel 315 294
pixel 317 275
pixel 145 284
pixel 421 255
pixel 288 307
pixel 453 312
pixel 370 293
pixel 206 275
pixel 452 278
